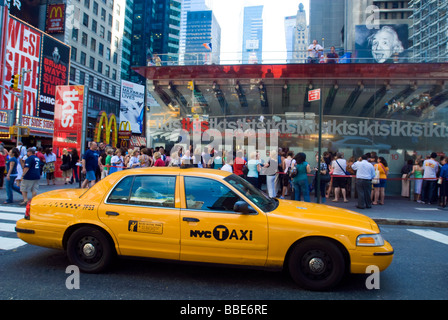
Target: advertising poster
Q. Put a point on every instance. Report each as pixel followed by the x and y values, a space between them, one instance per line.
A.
pixel 68 118
pixel 132 105
pixel 48 61
pixel 386 44
pixel 55 18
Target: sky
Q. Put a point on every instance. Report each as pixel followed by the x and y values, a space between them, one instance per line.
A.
pixel 274 47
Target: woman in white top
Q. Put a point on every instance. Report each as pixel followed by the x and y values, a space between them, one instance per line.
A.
pixel 339 166
pixel 288 162
pixel 134 161
pixel 50 161
pixel 116 162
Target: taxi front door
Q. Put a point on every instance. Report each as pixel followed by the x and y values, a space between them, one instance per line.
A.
pixel 212 232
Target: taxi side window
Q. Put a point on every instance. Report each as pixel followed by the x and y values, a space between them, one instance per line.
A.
pixel 120 194
pixel 209 195
pixel 155 191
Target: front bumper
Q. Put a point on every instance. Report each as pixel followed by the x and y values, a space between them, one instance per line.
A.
pixel 363 257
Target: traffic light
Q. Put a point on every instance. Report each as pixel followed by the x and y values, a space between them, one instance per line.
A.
pixel 15 82
pixel 191 85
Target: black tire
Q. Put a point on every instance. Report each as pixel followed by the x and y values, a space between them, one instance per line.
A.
pixel 316 264
pixel 90 250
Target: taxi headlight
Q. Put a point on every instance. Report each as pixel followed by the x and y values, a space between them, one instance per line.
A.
pixel 370 240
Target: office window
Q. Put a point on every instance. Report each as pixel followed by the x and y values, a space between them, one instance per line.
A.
pixel 85 19
pixel 94 25
pixel 107 71
pixel 102 32
pixel 75 34
pixel 110 20
pixel 87 3
pixel 101 49
pixel 100 67
pixel 90 81
pixel 95 7
pixel 106 87
pixel 72 74
pixel 83 58
pixel 98 84
pixel 92 44
pixel 73 54
pixel 107 54
pixel 84 39
pixel 115 59
pixel 114 90
pixel 92 63
pixel 114 74
pixel 103 14
pixel 82 77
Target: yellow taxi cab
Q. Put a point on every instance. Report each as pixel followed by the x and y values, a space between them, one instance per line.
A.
pixel 203 215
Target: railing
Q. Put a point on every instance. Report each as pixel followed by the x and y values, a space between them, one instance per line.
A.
pixel 300 57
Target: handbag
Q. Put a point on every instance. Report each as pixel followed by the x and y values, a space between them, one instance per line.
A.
pixel 325 177
pixel 65 166
pixel 376 180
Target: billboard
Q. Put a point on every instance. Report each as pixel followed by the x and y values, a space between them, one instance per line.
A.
pixel 55 18
pixel 68 111
pixel 386 44
pixel 47 58
pixel 132 105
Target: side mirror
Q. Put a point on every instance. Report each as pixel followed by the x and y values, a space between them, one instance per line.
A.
pixel 243 207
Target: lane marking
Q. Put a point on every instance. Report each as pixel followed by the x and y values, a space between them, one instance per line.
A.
pixel 8 227
pixel 10 216
pixel 12 209
pixel 10 243
pixel 430 234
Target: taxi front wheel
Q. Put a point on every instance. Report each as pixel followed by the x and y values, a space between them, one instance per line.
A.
pixel 90 250
pixel 316 264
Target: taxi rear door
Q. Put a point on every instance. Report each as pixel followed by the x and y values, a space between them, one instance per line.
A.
pixel 143 214
pixel 211 231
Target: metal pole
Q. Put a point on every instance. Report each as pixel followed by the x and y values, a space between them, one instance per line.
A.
pixel 319 153
pixel 84 130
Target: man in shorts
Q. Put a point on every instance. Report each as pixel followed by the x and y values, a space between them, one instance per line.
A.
pixel 90 165
pixel 31 176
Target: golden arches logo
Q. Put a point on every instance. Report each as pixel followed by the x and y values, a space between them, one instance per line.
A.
pixel 106 129
pixel 56 12
pixel 125 126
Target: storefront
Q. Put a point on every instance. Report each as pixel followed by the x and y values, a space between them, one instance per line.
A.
pixel 396 110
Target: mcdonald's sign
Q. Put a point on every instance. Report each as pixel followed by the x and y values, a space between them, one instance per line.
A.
pixel 106 129
pixel 124 134
pixel 55 18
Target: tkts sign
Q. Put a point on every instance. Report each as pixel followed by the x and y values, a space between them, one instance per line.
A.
pixel 68 117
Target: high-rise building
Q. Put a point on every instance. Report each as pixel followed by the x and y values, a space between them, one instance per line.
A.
pixel 203 38
pixel 429 31
pixel 155 30
pixel 252 51
pixel 187 6
pixel 127 41
pixel 95 34
pixel 327 22
pixel 300 36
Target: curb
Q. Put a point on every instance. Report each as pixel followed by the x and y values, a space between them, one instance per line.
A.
pixel 408 222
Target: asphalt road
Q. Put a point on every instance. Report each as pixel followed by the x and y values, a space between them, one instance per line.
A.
pixel 417 272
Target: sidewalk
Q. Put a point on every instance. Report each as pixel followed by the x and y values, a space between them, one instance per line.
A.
pixel 395 211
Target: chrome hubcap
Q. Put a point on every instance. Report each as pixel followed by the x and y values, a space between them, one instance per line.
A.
pixel 316 265
pixel 88 250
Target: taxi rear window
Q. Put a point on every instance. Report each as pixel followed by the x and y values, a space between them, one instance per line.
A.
pixel 146 190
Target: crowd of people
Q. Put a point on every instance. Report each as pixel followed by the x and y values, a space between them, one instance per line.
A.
pixel 284 174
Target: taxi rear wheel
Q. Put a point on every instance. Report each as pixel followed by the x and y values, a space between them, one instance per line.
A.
pixel 316 264
pixel 90 250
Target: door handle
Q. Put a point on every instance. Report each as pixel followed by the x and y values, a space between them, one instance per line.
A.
pixel 112 213
pixel 190 219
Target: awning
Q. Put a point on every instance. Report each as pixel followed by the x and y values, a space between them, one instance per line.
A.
pixel 137 141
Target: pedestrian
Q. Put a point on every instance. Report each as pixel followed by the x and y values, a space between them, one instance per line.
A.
pixel 380 188
pixel 324 178
pixel 11 167
pixel 239 163
pixel 417 172
pixel 116 162
pixel 314 52
pixel 90 165
pixel 41 157
pixel 3 156
pixel 405 174
pixel 339 166
pixel 288 164
pixel 300 181
pixel 270 170
pixel 159 161
pixel 254 169
pixel 66 167
pixel 429 186
pixel 443 182
pixel 31 176
pixel 49 167
pixel 74 165
pixel 365 172
pixel 332 57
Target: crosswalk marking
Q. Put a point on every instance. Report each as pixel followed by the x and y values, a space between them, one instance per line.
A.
pixel 430 234
pixel 9 216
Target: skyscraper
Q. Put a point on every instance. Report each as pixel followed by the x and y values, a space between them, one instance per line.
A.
pixel 327 22
pixel 252 35
pixel 300 37
pixel 203 38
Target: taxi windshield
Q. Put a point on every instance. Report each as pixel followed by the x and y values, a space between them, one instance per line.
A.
pixel 253 194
